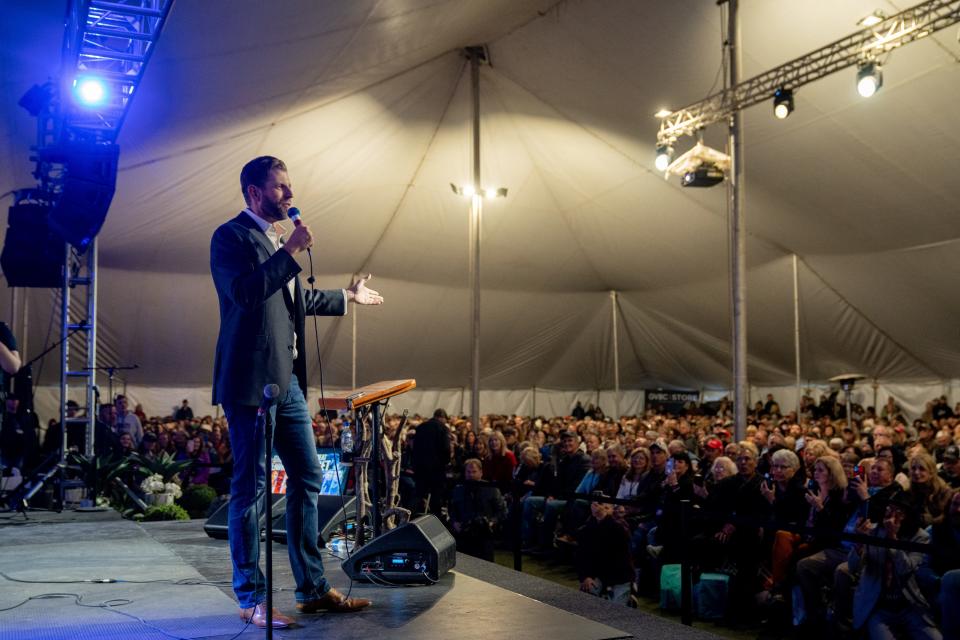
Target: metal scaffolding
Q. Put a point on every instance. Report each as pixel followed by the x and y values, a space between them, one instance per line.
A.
pixel 113 42
pixel 866 45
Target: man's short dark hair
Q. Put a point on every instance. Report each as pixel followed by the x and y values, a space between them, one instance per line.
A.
pixel 257 171
pixel 440 413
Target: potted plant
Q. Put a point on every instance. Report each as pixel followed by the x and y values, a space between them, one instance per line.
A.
pixel 158 492
pixel 97 472
pixel 161 484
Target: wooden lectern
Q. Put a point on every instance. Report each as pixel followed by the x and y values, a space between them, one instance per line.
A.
pixel 372 395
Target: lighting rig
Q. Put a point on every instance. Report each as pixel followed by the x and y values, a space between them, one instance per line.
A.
pixel 864 49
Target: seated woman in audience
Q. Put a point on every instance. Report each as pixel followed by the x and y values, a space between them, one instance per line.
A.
pixel 930 493
pixel 827 513
pixel 639 465
pixel 499 463
pixel 199 472
pixel 678 487
pixel 526 474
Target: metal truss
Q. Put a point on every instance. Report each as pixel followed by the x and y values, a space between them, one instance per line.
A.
pixel 112 41
pixel 866 45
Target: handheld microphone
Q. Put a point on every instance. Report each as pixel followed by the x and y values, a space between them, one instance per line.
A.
pixel 270 393
pixel 294 215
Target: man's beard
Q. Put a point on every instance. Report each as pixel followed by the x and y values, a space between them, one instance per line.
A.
pixel 273 209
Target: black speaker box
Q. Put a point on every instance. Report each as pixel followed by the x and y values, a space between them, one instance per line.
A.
pixel 88 188
pixel 332 513
pixel 421 550
pixel 216 525
pixel 32 254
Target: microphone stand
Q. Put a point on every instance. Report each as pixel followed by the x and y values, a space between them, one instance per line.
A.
pixel 268 496
pixel 111 372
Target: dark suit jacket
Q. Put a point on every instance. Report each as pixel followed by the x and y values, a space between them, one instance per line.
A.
pixel 257 317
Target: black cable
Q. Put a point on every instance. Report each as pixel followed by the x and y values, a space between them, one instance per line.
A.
pixel 311 280
pixel 109 605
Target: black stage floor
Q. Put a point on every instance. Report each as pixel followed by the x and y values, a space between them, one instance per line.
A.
pixel 172 581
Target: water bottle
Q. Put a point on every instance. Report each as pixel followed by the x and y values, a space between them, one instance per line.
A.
pixel 346 437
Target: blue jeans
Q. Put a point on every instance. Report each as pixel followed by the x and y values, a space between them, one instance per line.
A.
pixel 532 505
pixel 294 442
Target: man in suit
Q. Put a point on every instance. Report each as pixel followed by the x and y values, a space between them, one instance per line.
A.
pixel 261 342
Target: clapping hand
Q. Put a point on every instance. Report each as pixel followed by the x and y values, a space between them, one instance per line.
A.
pixel 767 490
pixel 815 500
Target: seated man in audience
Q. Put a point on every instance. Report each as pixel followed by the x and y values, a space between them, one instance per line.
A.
pixel 476 510
pixel 561 475
pixel 888 597
pixel 950 466
pixel 603 555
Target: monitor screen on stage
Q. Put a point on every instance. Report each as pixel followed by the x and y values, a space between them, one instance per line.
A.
pixel 334 473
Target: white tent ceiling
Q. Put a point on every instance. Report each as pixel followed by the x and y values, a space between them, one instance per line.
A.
pixel 368 102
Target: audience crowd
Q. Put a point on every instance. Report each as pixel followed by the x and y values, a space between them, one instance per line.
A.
pixel 621 499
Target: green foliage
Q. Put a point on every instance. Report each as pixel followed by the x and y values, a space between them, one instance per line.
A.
pixel 98 472
pixel 196 499
pixel 164 465
pixel 165 512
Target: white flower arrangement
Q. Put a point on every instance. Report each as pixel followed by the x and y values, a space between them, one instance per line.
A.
pixel 154 485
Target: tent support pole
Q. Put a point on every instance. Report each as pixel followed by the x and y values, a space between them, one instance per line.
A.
pixel 796 329
pixel 616 357
pixel 353 357
pixel 476 211
pixel 738 264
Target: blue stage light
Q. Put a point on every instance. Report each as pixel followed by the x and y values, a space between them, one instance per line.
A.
pixel 90 91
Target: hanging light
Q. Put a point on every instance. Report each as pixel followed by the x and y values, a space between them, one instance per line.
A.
pixel 90 91
pixel 869 79
pixel 782 103
pixel 664 155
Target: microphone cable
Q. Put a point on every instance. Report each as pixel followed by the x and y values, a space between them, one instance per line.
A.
pixel 311 280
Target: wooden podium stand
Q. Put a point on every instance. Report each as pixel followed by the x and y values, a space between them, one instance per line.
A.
pixel 373 396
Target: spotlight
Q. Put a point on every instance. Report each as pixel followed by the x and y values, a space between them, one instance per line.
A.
pixel 664 155
pixel 869 79
pixel 706 175
pixel 90 91
pixel 782 103
pixel 492 192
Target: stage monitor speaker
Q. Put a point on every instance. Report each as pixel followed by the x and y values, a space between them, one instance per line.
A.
pixel 88 188
pixel 421 550
pixel 216 525
pixel 32 254
pixel 332 513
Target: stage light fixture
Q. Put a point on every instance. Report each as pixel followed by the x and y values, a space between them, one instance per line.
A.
pixel 869 79
pixel 663 113
pixel 468 191
pixel 664 155
pixel 90 91
pixel 37 98
pixel 874 18
pixel 782 103
pixel 706 175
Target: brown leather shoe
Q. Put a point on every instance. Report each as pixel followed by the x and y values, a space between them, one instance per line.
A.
pixel 258 616
pixel 334 601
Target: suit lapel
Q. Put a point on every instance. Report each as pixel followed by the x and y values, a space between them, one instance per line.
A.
pixel 244 220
